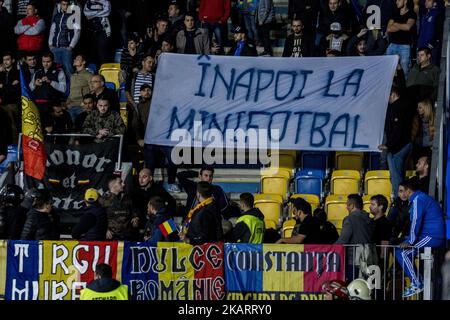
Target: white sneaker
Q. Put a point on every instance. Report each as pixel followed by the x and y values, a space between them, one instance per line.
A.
pixel 173 188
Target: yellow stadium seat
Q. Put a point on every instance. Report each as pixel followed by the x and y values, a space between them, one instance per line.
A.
pixel 336 209
pixel 349 160
pixel 378 182
pixel 270 224
pixel 271 205
pixel 111 73
pixel 283 159
pixel 410 173
pixel 288 227
pixel 345 181
pixel 313 200
pixel 275 181
pixel 366 201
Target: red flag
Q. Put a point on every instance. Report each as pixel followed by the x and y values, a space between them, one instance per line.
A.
pixel 34 155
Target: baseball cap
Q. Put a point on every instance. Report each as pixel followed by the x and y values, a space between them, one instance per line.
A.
pixel 335 26
pixel 91 195
pixel 145 86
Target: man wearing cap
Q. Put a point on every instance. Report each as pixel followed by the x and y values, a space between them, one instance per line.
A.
pixel 336 40
pixel 93 223
pixel 242 46
pixel 140 114
pixel 335 11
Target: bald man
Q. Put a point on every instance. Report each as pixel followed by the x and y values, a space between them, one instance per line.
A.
pixel 98 89
pixel 149 188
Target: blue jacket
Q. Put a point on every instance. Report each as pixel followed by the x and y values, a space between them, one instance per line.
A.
pixel 64 32
pixel 427 35
pixel 426 218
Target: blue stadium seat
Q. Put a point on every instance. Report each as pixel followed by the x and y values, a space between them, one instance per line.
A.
pixel 309 181
pixel 110 85
pixel 92 67
pixel 315 160
pixel 374 160
pixel 11 156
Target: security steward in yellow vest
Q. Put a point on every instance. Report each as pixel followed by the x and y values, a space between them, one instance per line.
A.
pixel 104 287
pixel 249 227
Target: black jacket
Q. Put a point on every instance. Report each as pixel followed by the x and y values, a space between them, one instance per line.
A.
pixel 191 189
pixel 111 96
pixel 248 50
pixel 328 233
pixel 205 226
pixel 41 226
pixel 374 47
pixel 306 10
pixel 307 46
pixel 399 218
pixel 5 132
pixel 9 93
pixel 152 230
pixel 12 220
pixel 92 225
pixel 104 285
pixel 397 126
pixel 141 196
pixel 7 31
pixel 241 231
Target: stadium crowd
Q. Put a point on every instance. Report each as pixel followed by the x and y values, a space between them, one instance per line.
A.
pixel 60 46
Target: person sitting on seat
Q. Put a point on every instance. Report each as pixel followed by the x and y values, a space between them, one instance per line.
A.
pixel 307 229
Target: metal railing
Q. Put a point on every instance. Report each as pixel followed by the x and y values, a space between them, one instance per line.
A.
pixel 385 276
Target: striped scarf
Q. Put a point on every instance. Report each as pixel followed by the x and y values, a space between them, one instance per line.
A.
pixel 193 211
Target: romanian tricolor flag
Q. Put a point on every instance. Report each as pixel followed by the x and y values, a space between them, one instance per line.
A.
pixel 168 227
pixel 34 156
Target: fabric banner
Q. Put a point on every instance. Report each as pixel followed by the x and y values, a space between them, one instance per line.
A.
pixel 52 270
pixel 281 272
pixel 58 270
pixel 34 156
pixel 173 271
pixel 303 104
pixel 71 169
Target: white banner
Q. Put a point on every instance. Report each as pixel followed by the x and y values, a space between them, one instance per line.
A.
pixel 315 103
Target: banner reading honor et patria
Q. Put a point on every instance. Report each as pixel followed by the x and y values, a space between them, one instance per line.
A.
pixel 55 270
pixel 314 103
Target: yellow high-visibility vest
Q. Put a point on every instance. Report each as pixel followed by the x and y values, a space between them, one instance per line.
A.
pixel 121 293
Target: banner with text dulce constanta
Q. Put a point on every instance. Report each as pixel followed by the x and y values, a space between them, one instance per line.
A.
pixel 300 104
pixel 281 271
pixel 58 270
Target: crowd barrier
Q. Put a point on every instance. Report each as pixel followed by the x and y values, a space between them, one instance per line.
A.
pixel 58 270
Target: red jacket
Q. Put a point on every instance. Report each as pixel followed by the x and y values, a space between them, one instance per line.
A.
pixel 27 42
pixel 214 10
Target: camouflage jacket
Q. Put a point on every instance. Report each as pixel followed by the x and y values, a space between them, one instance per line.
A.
pixel 111 120
pixel 120 211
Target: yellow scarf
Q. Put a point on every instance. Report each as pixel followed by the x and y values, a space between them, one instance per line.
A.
pixel 195 210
